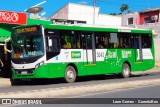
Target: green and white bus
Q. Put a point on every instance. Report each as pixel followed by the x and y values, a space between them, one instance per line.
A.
pixel 68 51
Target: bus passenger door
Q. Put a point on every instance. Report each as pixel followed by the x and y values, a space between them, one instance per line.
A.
pixel 89 52
pixel 137 45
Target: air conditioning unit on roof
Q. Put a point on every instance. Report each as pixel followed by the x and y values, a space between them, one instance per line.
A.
pixel 155 18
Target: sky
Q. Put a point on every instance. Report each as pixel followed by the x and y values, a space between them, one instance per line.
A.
pixel 52 6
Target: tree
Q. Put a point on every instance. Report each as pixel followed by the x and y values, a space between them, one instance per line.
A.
pixel 124 7
pixel 113 14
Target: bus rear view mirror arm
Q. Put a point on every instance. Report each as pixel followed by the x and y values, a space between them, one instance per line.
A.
pixel 6 41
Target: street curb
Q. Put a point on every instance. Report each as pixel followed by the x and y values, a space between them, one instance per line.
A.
pixel 79 90
pixel 153 70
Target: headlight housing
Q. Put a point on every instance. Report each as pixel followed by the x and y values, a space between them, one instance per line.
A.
pixel 39 64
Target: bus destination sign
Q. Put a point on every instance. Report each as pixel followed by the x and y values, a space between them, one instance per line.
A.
pixel 26 30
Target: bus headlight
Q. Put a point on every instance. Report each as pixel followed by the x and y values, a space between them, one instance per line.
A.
pixel 39 64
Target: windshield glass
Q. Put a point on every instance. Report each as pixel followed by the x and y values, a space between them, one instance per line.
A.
pixel 27 45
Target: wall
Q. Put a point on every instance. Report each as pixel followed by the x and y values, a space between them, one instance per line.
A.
pixel 82 13
pixel 108 20
pixel 129 15
pixel 86 13
pixel 61 14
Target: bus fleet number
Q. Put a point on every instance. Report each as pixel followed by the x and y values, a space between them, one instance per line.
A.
pixel 100 54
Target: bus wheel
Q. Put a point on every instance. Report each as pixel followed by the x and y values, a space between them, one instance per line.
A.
pixel 70 74
pixel 126 70
pixel 15 82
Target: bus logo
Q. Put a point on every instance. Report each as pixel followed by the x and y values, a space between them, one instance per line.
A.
pixel 6 101
pixel 75 54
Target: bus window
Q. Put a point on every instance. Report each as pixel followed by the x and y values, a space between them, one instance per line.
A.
pixel 113 40
pixel 124 40
pixel 52 43
pixel 78 40
pixel 87 40
pixel 101 40
pixel 135 41
pixel 69 39
pixel 146 41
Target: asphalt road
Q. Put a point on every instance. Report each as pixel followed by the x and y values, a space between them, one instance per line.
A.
pixel 137 92
pixel 58 83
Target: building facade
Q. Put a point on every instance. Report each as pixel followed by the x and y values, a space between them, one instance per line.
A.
pixel 147 19
pixel 83 14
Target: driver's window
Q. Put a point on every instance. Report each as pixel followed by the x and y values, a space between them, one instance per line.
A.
pixel 53 44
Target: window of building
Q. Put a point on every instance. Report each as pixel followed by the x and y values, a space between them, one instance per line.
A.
pixel 130 21
pixel 147 20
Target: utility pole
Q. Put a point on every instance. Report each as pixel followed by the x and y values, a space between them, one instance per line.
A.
pixel 94 6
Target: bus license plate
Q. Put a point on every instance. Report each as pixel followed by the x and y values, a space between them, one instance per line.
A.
pixel 24 72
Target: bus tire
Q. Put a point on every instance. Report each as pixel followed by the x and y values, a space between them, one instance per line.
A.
pixel 70 74
pixel 126 71
pixel 15 82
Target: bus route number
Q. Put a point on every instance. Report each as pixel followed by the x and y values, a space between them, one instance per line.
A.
pixel 100 54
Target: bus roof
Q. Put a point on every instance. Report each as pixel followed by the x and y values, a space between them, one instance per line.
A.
pixel 85 27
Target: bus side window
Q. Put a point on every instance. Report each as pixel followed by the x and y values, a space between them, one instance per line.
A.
pixel 63 42
pixel 68 39
pixel 83 41
pixel 146 41
pixel 136 42
pixel 101 40
pixel 124 40
pixel 78 40
pixel 53 44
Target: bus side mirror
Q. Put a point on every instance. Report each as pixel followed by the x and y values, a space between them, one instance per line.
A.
pixel 50 42
pixel 6 47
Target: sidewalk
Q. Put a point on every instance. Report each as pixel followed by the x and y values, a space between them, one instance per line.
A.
pixel 5 82
pixel 153 70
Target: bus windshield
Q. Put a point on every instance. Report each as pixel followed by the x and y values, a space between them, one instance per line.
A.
pixel 27 45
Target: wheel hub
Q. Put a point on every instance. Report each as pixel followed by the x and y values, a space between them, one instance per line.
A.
pixel 70 74
pixel 126 71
